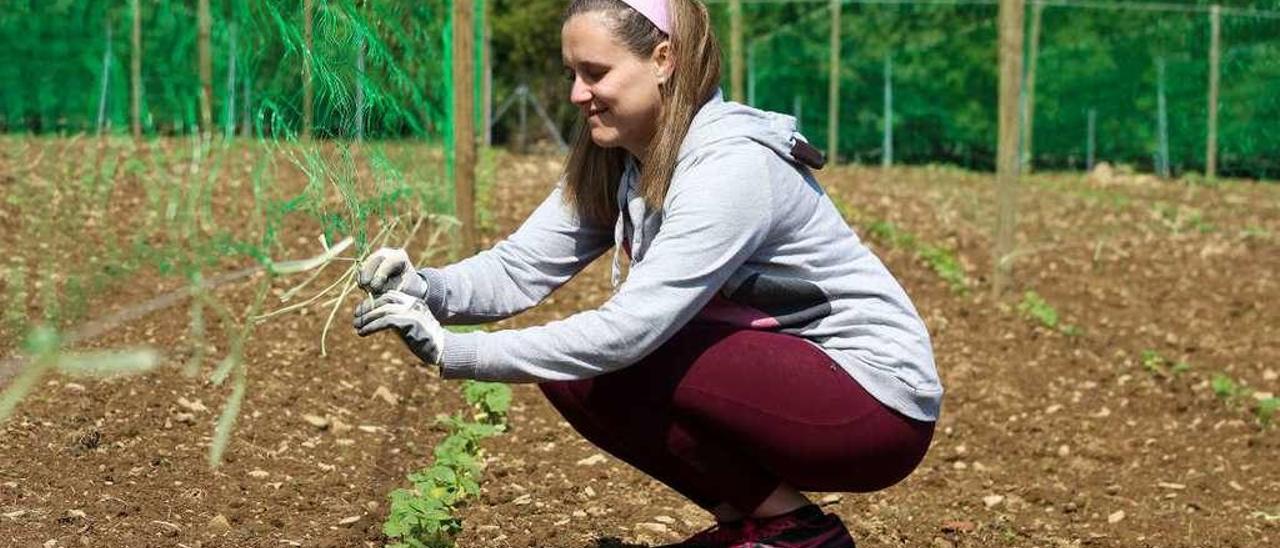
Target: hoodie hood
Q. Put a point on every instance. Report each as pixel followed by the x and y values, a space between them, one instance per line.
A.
pixel 716 122
pixel 719 120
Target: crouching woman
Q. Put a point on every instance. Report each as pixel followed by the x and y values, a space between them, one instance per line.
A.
pixel 754 349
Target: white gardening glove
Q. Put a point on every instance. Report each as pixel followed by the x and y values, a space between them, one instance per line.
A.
pixel 389 269
pixel 410 318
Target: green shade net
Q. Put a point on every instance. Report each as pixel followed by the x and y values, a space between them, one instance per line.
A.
pixel 1093 56
pixel 193 202
pixel 67 66
pixel 380 72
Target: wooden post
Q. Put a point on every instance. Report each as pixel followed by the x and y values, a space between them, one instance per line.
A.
pixel 229 123
pixel 464 134
pixel 1215 45
pixel 135 71
pixel 886 157
pixel 1091 140
pixel 307 91
pixel 1162 123
pixel 735 50
pixel 1011 20
pixel 1029 117
pixel 205 52
pixel 833 87
pixel 106 78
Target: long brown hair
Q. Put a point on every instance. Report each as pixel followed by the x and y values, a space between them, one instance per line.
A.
pixel 592 172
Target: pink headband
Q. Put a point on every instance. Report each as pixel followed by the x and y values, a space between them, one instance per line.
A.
pixel 655 11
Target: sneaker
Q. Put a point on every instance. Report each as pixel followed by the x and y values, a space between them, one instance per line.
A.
pixel 720 535
pixel 806 527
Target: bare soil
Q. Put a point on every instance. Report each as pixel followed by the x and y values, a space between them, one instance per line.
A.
pixel 1046 438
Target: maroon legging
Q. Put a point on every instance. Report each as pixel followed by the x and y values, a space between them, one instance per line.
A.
pixel 726 415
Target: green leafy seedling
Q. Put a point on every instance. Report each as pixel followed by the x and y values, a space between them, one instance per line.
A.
pixel 1153 362
pixel 1224 387
pixel 1035 307
pixel 491 400
pixel 426 515
pixel 1266 410
pixel 1180 368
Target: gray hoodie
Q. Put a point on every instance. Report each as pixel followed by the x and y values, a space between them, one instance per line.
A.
pixel 745 236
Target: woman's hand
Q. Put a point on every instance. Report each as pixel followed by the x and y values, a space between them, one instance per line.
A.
pixel 410 318
pixel 389 269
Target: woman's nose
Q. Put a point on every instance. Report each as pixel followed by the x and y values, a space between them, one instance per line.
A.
pixel 580 93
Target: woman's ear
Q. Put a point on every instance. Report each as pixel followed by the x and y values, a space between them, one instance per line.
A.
pixel 663 60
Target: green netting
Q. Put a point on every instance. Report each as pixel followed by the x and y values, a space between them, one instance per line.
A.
pixel 374 71
pixel 316 128
pixel 1093 56
pixel 68 66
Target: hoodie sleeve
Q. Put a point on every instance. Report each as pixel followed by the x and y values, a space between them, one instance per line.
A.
pixel 717 213
pixel 545 252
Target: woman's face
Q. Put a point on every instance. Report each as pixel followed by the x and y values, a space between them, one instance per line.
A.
pixel 616 90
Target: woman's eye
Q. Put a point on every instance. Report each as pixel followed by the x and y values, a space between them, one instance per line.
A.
pixel 568 75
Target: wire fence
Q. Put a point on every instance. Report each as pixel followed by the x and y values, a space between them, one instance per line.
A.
pixel 1164 86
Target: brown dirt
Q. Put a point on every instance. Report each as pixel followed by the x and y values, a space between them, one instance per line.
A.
pixel 1068 439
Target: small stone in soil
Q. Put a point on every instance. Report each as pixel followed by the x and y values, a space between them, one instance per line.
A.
pixel 219 524
pixel 654 528
pixel 316 421
pixel 385 394
pixel 592 460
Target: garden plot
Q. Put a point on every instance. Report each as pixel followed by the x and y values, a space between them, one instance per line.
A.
pixel 1117 433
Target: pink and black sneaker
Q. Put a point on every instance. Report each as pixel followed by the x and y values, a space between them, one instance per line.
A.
pixel 720 535
pixel 806 527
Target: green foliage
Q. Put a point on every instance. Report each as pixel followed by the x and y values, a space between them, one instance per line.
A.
pixel 946 265
pixel 1160 366
pixel 944 79
pixel 1180 368
pixel 941 260
pixel 1224 387
pixel 1153 362
pixel 1232 393
pixel 1035 307
pixel 492 400
pixel 425 516
pixel 1179 218
pixel 1254 232
pixel 1266 411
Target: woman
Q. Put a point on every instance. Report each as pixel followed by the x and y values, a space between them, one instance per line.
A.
pixel 756 348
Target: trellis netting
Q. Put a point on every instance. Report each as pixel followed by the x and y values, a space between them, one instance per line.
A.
pixel 930 69
pixel 260 124
pixel 297 82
